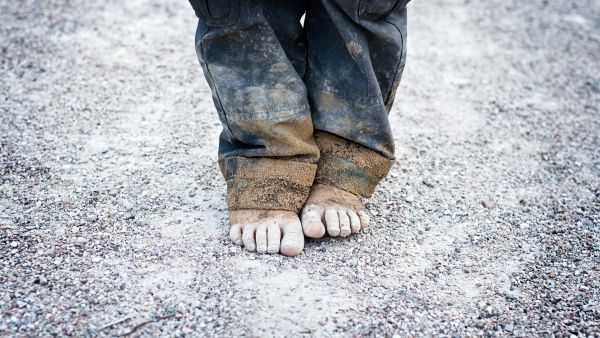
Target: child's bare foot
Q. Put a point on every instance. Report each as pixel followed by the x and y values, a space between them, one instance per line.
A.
pixel 269 231
pixel 336 210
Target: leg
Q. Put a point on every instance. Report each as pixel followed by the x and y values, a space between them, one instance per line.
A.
pixel 266 152
pixel 357 51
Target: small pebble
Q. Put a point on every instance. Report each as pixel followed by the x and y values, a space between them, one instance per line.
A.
pixel 487 203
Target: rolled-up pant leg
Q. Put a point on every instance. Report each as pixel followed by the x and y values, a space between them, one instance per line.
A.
pixel 356 55
pixel 254 55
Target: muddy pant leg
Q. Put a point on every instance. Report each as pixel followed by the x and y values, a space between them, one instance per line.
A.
pixel 266 152
pixel 284 18
pixel 356 55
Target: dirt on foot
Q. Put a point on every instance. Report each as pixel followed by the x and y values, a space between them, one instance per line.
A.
pixel 267 231
pixel 337 211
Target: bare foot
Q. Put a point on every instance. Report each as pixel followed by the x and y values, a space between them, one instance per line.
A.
pixel 336 210
pixel 269 231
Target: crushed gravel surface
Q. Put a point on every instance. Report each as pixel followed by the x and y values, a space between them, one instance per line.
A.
pixel 112 216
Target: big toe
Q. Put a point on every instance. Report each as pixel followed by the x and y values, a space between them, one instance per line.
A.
pixel 292 242
pixel 311 223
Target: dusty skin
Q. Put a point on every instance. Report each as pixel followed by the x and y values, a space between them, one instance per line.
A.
pixel 267 231
pixel 337 211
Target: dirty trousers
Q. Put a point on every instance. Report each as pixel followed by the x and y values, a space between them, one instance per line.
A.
pixel 301 104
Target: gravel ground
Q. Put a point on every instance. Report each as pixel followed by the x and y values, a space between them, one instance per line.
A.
pixel 111 203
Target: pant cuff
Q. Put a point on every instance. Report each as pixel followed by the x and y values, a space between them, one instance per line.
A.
pixel 349 166
pixel 265 183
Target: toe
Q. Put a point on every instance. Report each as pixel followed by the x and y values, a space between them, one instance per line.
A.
pixel 261 238
pixel 344 223
pixel 332 221
pixel 311 223
pixel 248 237
pixel 273 238
pixel 354 221
pixel 293 239
pixel 364 219
pixel 235 233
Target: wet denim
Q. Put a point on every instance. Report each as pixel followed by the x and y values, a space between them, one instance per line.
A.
pixel 301 104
